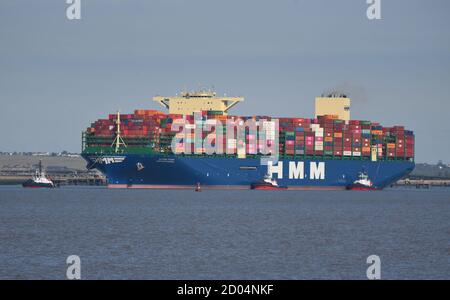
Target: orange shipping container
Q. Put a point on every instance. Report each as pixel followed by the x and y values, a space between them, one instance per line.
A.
pixel 391 146
pixel 330 117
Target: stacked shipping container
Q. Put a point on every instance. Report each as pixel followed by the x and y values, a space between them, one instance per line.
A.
pixel 325 136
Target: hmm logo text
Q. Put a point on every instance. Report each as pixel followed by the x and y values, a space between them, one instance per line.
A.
pixel 296 170
pixel 111 160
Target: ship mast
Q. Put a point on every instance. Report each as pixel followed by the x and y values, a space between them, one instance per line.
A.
pixel 118 141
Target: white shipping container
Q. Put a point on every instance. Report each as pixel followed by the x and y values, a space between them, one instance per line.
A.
pixel 270 135
pixel 269 125
pixel 356 153
pixel 319 148
pixel 179 121
pixel 347 153
pixel 231 142
pixel 241 153
pixel 269 129
pixel 210 122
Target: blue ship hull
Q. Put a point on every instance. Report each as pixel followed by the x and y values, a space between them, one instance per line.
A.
pixel 172 172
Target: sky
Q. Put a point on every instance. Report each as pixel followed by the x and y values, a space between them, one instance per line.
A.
pixel 59 75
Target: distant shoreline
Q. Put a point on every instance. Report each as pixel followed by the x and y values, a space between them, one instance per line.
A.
pixel 63 169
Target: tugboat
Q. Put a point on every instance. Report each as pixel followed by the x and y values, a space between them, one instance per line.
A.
pixel 363 183
pixel 39 180
pixel 267 183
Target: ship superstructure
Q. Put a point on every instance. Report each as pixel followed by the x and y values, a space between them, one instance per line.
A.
pixel 204 100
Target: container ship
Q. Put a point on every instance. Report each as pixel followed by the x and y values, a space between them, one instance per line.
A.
pixel 329 151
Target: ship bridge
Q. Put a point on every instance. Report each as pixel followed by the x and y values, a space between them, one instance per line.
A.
pixel 205 100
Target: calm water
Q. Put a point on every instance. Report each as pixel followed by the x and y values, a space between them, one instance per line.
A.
pixel 143 234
